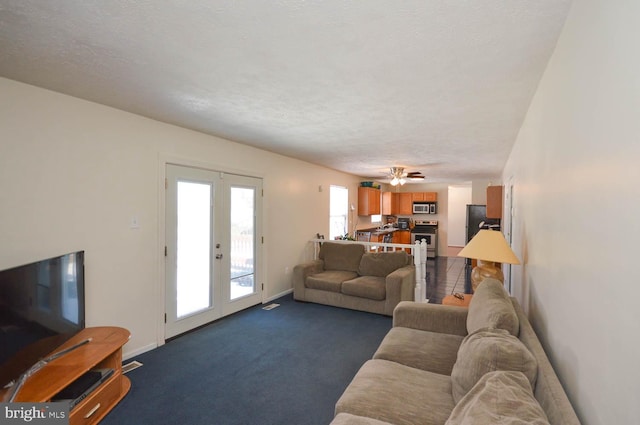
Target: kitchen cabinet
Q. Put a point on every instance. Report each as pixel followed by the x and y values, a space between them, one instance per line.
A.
pixel 389 203
pixel 494 201
pixel 424 196
pixel 402 236
pixel 368 201
pixel 405 203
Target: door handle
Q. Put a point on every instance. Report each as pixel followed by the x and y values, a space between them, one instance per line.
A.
pixel 218 256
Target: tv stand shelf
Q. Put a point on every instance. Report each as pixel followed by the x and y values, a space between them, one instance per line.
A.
pixel 104 351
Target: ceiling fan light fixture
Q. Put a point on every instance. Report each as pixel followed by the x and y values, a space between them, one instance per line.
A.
pixel 398 176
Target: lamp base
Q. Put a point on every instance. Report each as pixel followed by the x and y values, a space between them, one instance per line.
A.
pixel 484 270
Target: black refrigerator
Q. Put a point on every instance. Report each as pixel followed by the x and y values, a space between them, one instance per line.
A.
pixel 477 215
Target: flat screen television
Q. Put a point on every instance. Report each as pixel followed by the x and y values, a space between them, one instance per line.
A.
pixel 41 307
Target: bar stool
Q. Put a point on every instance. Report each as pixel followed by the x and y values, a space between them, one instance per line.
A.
pixel 363 236
pixel 388 238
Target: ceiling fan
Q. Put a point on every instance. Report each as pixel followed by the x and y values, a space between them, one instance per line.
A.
pixel 399 177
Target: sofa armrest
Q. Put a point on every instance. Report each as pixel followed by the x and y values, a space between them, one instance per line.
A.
pixel 399 287
pixel 300 273
pixel 431 317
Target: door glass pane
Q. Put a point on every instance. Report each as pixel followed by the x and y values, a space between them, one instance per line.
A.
pixel 193 288
pixel 242 241
pixel 338 210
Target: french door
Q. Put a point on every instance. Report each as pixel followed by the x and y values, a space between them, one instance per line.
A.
pixel 212 249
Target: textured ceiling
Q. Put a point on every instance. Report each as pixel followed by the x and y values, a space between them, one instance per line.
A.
pixel 435 86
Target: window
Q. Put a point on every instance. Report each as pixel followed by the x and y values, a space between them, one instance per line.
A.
pixel 338 211
pixel 376 218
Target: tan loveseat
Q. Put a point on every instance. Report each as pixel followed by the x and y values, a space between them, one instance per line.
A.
pixel 452 365
pixel 344 275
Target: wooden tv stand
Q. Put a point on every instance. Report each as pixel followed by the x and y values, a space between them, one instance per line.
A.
pixel 104 351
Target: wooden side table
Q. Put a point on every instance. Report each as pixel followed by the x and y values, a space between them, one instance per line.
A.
pixel 451 300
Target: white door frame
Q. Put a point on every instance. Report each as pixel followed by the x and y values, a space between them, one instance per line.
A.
pixel 159 289
pixel 507 230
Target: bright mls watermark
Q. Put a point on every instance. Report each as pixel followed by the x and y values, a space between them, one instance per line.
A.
pixel 35 413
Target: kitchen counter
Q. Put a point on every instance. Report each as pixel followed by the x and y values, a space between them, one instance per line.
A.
pixel 378 231
pixel 383 231
pixel 399 236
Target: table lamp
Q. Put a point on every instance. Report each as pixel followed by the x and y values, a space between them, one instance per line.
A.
pixel 488 247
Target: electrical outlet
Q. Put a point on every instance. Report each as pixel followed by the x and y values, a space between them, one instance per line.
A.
pixel 134 224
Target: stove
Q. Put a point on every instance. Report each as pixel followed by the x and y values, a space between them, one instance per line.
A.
pixel 427 230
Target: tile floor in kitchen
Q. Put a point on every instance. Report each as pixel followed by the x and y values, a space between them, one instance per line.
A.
pixel 446 275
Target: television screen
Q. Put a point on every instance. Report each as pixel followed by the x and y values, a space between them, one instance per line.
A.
pixel 41 306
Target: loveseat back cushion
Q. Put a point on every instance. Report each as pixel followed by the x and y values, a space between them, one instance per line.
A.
pixel 499 397
pixel 491 307
pixel 382 263
pixel 488 350
pixel 370 287
pixel 340 256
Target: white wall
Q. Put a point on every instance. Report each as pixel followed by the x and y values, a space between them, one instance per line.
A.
pixel 575 166
pixel 73 173
pixel 459 198
pixel 479 191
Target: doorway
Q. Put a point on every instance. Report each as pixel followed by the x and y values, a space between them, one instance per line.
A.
pixel 458 198
pixel 212 250
pixel 507 226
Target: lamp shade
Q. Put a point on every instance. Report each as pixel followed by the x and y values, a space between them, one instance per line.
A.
pixel 489 245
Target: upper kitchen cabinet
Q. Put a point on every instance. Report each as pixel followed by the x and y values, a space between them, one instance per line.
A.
pixel 494 201
pixel 405 203
pixel 425 196
pixel 368 201
pixel 389 203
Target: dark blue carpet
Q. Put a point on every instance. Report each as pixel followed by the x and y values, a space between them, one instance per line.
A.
pixel 285 366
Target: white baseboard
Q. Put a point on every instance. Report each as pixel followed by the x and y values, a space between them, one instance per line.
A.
pixel 129 354
pixel 281 294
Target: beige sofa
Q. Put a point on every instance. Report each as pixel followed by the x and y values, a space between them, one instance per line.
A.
pixel 344 275
pixel 452 365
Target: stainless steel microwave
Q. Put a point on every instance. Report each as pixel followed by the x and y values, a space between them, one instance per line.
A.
pixel 424 208
pixel 420 208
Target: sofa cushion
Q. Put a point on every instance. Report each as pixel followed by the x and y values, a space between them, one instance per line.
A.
pixel 370 287
pixel 330 280
pixel 398 394
pixel 349 419
pixel 382 263
pixel 488 350
pixel 432 351
pixel 339 256
pixel 491 307
pixel 499 397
